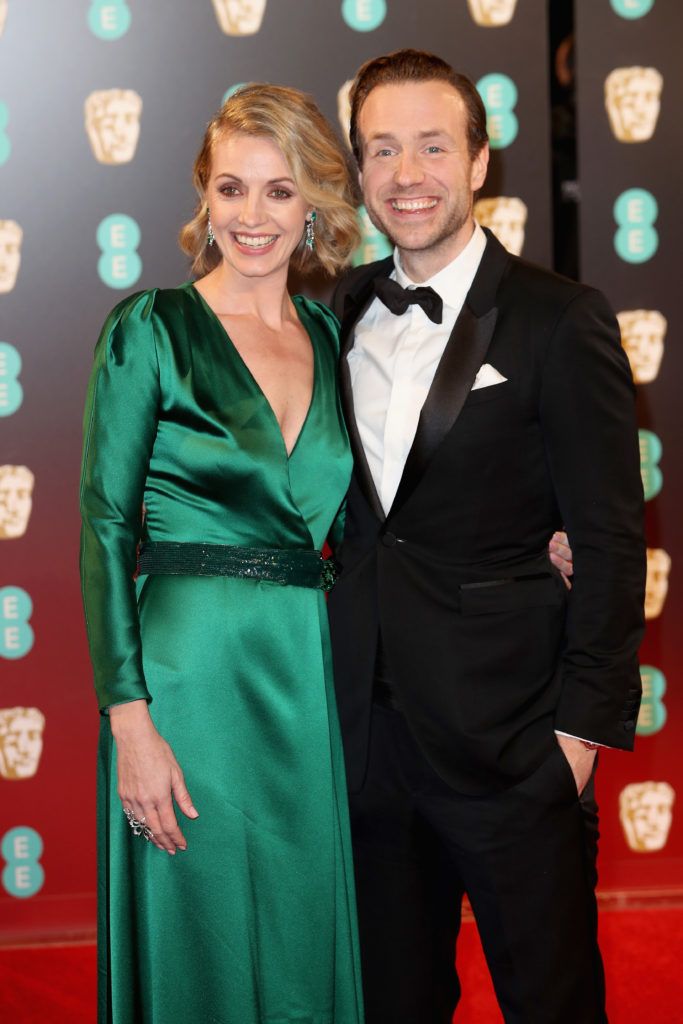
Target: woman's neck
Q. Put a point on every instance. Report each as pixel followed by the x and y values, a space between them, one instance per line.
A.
pixel 232 294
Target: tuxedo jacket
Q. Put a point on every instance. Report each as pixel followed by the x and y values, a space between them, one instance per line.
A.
pixel 488 651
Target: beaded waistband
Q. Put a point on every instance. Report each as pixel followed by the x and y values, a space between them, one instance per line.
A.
pixel 296 567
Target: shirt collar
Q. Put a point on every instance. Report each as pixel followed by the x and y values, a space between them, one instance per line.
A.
pixel 454 280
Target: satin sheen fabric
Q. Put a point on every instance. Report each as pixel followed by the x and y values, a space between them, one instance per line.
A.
pixel 255 922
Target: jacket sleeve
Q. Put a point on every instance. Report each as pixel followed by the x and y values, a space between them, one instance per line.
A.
pixel 120 425
pixel 589 426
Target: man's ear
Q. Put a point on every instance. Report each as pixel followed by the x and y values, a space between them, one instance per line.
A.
pixel 479 168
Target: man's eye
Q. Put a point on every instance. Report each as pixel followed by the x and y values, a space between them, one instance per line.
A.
pixel 434 149
pixel 384 152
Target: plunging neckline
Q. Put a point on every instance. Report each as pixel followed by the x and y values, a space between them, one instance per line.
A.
pixel 299 310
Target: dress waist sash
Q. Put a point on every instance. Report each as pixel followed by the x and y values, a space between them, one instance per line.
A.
pixel 295 567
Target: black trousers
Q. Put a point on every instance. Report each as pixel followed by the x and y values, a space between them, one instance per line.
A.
pixel 526 859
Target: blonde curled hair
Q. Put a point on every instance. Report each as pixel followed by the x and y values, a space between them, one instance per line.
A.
pixel 317 161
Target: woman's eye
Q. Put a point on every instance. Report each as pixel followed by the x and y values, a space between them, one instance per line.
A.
pixel 229 190
pixel 281 193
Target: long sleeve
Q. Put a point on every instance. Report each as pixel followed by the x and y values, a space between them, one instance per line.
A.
pixel 120 425
pixel 589 426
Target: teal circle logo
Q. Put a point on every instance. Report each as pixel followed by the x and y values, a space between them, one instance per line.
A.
pixel 374 245
pixel 231 91
pixel 5 144
pixel 118 237
pixel 632 8
pixel 499 95
pixel 109 19
pixel 652 715
pixel 16 635
pixel 11 391
pixel 364 15
pixel 636 239
pixel 23 875
pixel 650 455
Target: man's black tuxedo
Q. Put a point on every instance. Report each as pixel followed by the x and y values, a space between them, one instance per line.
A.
pixel 488 652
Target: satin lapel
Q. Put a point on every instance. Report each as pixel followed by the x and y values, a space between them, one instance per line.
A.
pixel 355 308
pixel 461 361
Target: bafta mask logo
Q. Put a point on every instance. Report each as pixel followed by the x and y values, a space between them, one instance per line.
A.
pixel 652 714
pixel 23 874
pixel 374 245
pixel 646 810
pixel 633 98
pixel 10 254
pixel 16 499
pixel 344 109
pixel 112 121
pixel 240 17
pixel 657 581
pixel 492 13
pixel 21 742
pixel 642 335
pixel 506 217
pixel 3 14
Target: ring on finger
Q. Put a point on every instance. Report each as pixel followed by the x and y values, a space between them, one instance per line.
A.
pixel 138 825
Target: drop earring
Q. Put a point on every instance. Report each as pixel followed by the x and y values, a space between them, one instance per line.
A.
pixel 210 237
pixel 310 231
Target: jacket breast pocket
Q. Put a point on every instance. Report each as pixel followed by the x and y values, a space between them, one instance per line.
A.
pixel 488 394
pixel 513 594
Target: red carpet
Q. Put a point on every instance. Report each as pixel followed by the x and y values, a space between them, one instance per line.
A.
pixel 642 950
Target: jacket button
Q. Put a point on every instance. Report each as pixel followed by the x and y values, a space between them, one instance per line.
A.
pixel 389 539
pixel 629 726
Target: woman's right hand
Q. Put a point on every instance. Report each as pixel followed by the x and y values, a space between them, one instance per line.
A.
pixel 149 777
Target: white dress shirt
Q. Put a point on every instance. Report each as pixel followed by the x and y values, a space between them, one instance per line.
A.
pixel 393 362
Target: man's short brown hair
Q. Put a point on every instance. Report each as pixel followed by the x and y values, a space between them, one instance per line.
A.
pixel 416 66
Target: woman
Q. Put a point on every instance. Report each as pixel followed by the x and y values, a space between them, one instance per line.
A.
pixel 215 405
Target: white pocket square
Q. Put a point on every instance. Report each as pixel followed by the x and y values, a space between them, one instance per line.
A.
pixel 487 376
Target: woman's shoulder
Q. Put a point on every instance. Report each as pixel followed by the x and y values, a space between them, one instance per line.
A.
pixel 322 315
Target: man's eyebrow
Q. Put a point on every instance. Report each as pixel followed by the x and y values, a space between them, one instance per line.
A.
pixel 427 133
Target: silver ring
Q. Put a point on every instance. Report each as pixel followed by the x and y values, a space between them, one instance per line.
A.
pixel 140 828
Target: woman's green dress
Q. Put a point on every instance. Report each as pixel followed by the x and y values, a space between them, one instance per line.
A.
pixel 255 922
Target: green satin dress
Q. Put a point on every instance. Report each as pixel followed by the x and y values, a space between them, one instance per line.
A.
pixel 255 922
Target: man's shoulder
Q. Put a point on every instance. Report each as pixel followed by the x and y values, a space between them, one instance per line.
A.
pixel 356 280
pixel 527 281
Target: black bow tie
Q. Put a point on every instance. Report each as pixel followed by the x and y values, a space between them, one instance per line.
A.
pixel 397 299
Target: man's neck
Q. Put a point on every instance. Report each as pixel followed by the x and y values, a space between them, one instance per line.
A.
pixel 420 265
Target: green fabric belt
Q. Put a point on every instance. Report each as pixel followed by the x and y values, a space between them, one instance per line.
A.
pixel 293 568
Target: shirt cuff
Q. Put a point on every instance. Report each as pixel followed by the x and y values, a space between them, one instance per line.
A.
pixel 583 739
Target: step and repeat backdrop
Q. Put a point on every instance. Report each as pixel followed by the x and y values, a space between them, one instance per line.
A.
pixel 102 108
pixel 630 84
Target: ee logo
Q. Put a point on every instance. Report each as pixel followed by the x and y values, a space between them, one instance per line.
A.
pixel 118 237
pixel 5 144
pixel 650 454
pixel 16 636
pixel 23 874
pixel 374 245
pixel 652 716
pixel 364 15
pixel 632 8
pixel 231 91
pixel 499 94
pixel 109 19
pixel 635 211
pixel 11 391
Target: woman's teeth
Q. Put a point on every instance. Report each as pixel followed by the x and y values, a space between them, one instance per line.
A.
pixel 255 241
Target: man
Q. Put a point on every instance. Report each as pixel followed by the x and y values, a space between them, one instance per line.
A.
pixel 486 407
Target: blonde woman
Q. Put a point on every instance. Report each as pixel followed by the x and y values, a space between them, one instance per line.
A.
pixel 225 866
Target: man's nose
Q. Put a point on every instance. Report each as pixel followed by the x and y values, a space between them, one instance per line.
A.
pixel 408 169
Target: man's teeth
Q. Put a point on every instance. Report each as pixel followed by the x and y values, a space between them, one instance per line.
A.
pixel 413 204
pixel 255 241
